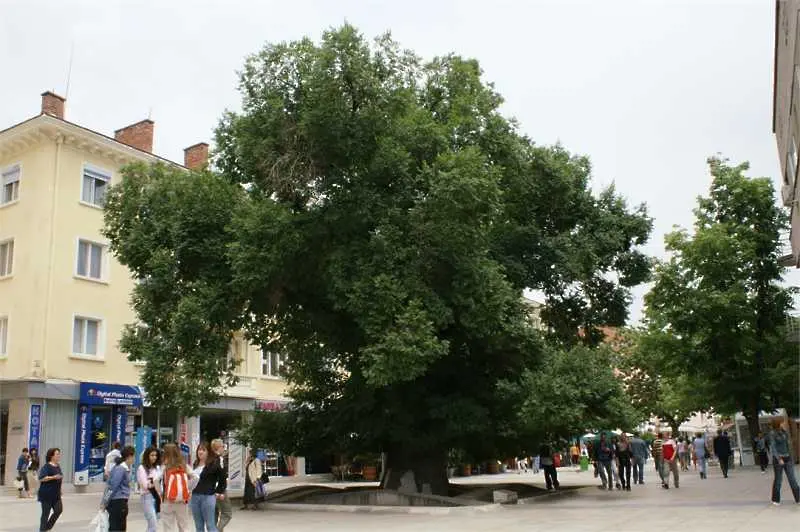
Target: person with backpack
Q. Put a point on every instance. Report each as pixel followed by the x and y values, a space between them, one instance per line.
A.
pixel 119 491
pixel 210 487
pixel 175 505
pixel 148 476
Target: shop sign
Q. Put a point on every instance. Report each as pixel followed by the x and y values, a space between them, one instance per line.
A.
pixel 110 394
pixel 35 426
pixel 270 406
pixel 120 421
pixel 82 443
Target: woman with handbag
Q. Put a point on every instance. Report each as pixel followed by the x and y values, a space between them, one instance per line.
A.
pixel 148 476
pixel 252 482
pixel 119 491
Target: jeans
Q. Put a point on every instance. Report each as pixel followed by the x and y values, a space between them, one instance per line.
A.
pixel 788 467
pixel 638 470
pixel 47 521
pixel 606 474
pixel 225 513
pixel 763 461
pixel 550 476
pixel 670 465
pixel 724 463
pixel 660 468
pixel 625 473
pixel 703 461
pixel 149 507
pixel 203 507
pixel 118 515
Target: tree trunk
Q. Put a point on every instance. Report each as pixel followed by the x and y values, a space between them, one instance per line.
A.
pixel 675 425
pixel 751 415
pixel 416 473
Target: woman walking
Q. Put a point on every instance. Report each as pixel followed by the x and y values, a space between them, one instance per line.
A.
pixel 253 473
pixel 699 453
pixel 149 478
pixel 50 490
pixel 33 471
pixel 210 487
pixel 624 456
pixel 779 443
pixel 175 504
pixel 119 491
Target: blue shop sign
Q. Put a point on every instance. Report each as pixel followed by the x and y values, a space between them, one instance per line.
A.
pixel 35 426
pixel 93 393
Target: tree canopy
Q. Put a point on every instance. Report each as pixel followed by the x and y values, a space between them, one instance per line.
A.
pixel 376 219
pixel 718 303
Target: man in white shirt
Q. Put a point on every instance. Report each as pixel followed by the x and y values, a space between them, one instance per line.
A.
pixel 111 460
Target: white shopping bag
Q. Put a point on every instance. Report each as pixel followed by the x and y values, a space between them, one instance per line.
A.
pixel 100 522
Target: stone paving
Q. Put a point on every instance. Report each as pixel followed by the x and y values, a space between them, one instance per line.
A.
pixel 739 503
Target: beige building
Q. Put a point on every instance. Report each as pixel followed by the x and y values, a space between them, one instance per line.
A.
pixel 785 120
pixel 64 301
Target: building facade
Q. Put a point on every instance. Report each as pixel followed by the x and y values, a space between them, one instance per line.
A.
pixel 785 120
pixel 64 301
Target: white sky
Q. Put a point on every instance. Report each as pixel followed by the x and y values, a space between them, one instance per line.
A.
pixel 648 89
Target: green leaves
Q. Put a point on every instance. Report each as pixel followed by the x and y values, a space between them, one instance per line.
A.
pixel 375 218
pixel 719 298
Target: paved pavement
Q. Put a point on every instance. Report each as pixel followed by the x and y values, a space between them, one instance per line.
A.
pixel 739 503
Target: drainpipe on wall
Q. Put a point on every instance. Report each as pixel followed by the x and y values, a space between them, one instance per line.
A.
pixel 52 253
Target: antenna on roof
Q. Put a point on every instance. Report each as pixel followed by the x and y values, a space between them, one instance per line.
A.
pixel 69 69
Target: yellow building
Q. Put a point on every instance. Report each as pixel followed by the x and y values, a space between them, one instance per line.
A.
pixel 64 301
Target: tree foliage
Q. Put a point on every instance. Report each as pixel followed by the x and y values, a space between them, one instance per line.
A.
pixel 377 220
pixel 719 300
pixel 571 392
pixel 656 385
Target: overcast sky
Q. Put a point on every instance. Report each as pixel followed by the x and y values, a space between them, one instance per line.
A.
pixel 648 89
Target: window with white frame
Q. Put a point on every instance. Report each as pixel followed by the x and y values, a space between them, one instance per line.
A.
pixel 3 335
pixel 6 258
pixel 10 181
pixel 91 256
pixel 272 364
pixel 86 336
pixel 95 184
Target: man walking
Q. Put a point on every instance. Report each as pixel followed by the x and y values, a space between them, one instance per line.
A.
pixel 640 456
pixel 605 456
pixel 669 455
pixel 548 465
pixel 699 445
pixel 658 445
pixel 761 452
pixel 722 448
pixel 224 510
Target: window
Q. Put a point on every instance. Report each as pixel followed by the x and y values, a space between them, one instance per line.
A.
pixel 791 162
pixel 85 336
pixel 90 259
pixel 6 258
pixel 272 364
pixel 95 183
pixel 3 336
pixel 10 182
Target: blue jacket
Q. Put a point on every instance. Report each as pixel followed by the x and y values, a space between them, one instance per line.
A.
pixel 120 482
pixel 779 443
pixel 639 449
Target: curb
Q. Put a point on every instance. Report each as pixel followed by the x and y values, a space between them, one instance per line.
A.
pixel 416 510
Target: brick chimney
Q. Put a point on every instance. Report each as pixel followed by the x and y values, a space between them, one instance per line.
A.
pixel 196 157
pixel 53 104
pixel 138 135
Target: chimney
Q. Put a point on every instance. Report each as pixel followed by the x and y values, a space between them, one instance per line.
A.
pixel 196 157
pixel 138 135
pixel 53 104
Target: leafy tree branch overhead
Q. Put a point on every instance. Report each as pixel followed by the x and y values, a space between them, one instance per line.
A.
pixel 375 217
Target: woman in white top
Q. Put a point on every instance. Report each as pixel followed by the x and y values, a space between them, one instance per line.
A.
pixel 149 478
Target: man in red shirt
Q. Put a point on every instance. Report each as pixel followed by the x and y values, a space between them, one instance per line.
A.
pixel 670 455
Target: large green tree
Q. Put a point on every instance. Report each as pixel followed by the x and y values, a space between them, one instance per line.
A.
pixel 719 298
pixel 377 221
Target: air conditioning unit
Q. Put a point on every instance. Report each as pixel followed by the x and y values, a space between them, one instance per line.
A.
pixel 787 195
